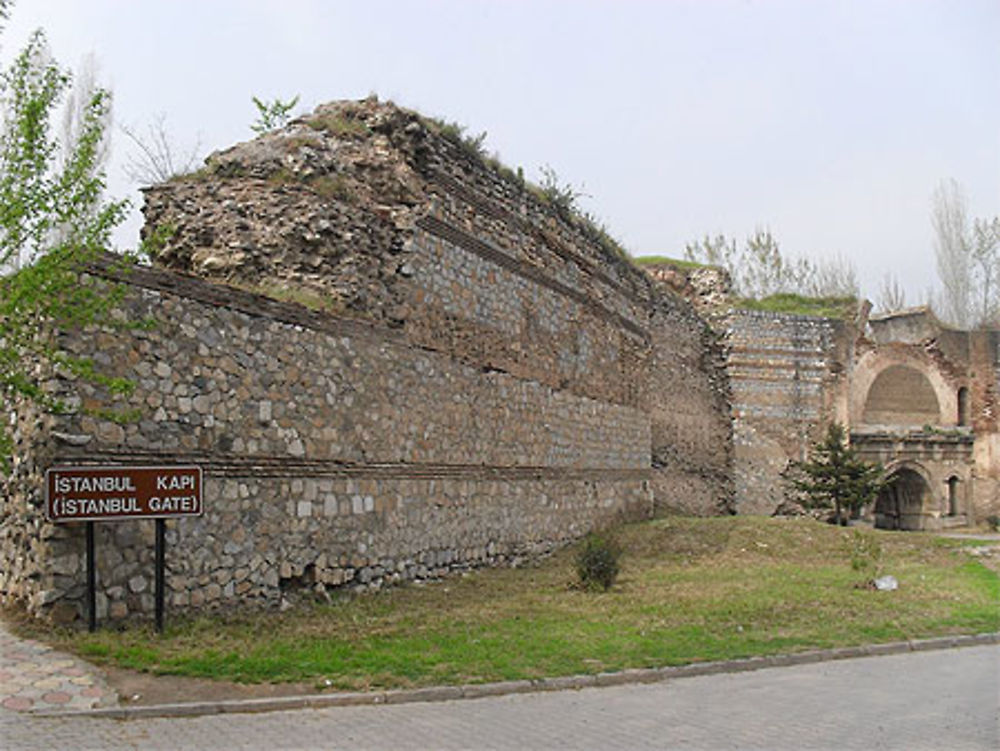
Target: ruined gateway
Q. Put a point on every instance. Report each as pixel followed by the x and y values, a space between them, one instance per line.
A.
pixel 919 397
pixel 393 359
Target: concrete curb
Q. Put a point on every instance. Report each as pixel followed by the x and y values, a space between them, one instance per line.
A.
pixel 572 682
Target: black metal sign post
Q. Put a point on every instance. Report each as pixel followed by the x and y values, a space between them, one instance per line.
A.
pixel 91 580
pixel 89 494
pixel 161 525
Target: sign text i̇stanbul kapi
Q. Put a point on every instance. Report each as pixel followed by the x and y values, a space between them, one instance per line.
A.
pixel 120 493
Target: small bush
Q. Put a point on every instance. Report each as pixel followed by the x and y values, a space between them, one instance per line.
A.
pixel 597 561
pixel 993 522
pixel 865 552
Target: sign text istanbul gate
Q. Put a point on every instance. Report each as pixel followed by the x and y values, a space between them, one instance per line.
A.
pixel 89 494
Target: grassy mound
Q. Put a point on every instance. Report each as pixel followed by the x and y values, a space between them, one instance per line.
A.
pixel 689 590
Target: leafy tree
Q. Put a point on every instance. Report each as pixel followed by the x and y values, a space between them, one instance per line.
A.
pixel 273 114
pixel 53 221
pixel 834 476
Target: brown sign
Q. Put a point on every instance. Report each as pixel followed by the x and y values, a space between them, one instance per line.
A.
pixel 114 493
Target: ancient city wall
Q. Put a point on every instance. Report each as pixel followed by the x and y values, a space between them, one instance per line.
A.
pixel 390 359
pixel 333 453
pixel 371 211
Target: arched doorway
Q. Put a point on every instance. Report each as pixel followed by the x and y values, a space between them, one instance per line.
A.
pixel 900 505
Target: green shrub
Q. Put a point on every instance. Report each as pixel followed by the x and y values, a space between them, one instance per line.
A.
pixel 993 522
pixel 865 552
pixel 597 561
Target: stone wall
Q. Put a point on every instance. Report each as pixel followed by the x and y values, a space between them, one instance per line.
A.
pixel 461 258
pixel 987 448
pixel 391 360
pixel 334 453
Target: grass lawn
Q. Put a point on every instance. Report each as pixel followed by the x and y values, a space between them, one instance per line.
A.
pixel 690 590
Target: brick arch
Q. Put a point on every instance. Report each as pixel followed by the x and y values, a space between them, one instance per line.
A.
pixel 900 388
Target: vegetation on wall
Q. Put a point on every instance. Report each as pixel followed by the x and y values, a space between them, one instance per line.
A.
pixel 787 302
pixel 681 263
pixel 561 197
pixel 272 114
pixel 157 158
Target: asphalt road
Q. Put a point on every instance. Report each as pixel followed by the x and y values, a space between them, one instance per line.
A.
pixel 945 699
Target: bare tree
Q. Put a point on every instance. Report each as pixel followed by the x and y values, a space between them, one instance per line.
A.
pixel 758 269
pixel 157 158
pixel 986 262
pixel 77 109
pixel 832 278
pixel 763 270
pixel 951 249
pixel 713 251
pixel 968 259
pixel 891 295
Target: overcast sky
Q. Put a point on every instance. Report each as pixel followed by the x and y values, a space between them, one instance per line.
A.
pixel 831 123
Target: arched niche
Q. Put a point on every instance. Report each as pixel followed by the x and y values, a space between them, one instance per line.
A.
pixel 953 504
pixel 901 395
pixel 872 365
pixel 963 406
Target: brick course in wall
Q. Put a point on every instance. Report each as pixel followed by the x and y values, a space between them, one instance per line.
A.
pixel 785 373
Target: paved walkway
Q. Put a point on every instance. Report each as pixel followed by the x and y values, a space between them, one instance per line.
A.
pixel 36 678
pixel 944 699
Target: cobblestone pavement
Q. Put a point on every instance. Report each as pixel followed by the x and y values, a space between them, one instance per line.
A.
pixel 36 678
pixel 946 699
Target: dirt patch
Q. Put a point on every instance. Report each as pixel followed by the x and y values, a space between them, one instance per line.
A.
pixel 144 689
